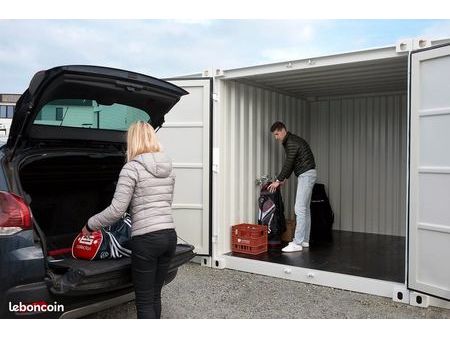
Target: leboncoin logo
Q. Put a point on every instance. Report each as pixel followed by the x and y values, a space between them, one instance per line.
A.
pixel 36 307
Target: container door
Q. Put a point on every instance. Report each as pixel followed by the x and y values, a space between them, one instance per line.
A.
pixel 186 136
pixel 429 194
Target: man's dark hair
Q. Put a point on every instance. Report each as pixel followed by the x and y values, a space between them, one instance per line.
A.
pixel 277 126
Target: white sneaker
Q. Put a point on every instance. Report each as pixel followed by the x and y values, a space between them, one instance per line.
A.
pixel 292 247
pixel 305 244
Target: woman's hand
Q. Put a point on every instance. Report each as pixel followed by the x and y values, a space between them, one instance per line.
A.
pixel 85 231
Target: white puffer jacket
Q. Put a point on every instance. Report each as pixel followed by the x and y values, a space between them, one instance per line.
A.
pixel 146 183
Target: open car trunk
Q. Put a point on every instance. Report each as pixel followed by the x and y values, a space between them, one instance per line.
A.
pixel 64 191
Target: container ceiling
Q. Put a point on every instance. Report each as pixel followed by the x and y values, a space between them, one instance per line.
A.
pixel 363 77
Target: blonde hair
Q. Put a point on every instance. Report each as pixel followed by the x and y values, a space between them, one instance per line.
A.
pixel 141 138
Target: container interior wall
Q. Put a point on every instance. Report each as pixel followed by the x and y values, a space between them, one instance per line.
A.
pixel 359 145
pixel 249 151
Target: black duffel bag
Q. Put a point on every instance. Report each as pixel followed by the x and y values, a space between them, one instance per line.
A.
pixel 322 216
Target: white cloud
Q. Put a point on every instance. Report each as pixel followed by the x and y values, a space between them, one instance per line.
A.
pixel 166 48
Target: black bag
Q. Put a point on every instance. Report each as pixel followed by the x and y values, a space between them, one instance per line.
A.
pixel 271 213
pixel 322 216
pixel 119 237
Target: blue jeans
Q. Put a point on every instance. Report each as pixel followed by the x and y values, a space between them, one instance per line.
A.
pixel 303 206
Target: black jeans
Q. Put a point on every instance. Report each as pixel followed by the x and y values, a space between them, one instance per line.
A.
pixel 150 259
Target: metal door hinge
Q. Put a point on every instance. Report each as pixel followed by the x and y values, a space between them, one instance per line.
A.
pixel 216 160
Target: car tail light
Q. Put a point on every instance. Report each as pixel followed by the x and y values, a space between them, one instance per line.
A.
pixel 15 215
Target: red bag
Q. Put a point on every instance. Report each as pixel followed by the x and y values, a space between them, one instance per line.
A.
pixel 91 246
pixel 109 242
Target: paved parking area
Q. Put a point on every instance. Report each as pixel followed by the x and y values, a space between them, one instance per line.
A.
pixel 199 292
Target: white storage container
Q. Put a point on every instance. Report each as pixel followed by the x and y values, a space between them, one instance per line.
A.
pixel 378 122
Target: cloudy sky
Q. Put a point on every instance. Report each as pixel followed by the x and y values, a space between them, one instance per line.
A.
pixel 166 48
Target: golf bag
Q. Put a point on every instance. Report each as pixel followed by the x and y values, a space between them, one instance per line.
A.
pixel 322 216
pixel 271 213
pixel 108 242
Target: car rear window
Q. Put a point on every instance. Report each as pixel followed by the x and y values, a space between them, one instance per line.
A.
pixel 89 114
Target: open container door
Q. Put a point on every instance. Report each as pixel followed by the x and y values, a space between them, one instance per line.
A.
pixel 186 137
pixel 429 204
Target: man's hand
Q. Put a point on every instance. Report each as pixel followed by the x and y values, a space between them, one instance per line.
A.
pixel 85 231
pixel 272 187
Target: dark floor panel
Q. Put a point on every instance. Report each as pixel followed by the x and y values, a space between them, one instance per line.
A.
pixel 354 253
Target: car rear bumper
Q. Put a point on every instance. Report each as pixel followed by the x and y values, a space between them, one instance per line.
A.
pixel 81 278
pixel 74 303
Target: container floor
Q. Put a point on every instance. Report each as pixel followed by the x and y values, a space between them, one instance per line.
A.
pixel 353 253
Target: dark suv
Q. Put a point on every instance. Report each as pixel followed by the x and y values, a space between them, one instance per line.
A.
pixel 60 166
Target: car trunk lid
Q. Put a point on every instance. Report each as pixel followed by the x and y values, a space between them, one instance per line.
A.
pixel 104 85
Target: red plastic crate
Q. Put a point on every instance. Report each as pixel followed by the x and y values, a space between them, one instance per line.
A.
pixel 249 239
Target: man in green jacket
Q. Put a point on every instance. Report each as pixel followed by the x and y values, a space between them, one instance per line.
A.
pixel 300 160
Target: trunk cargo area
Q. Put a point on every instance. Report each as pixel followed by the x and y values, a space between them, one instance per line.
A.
pixel 63 192
pixel 66 190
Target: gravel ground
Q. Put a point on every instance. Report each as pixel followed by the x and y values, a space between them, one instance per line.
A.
pixel 199 292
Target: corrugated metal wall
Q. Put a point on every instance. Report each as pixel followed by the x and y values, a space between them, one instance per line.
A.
pixel 360 149
pixel 248 149
pixel 359 144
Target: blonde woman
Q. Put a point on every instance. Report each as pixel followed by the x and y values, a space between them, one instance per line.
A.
pixel 146 183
